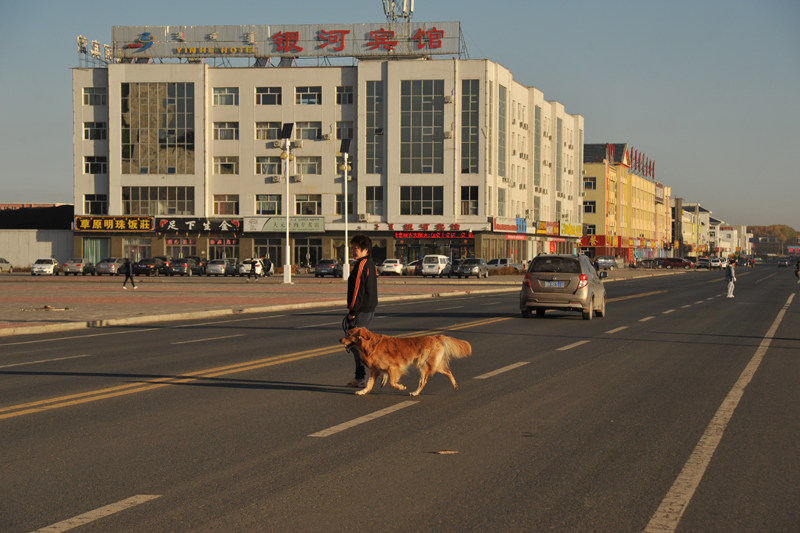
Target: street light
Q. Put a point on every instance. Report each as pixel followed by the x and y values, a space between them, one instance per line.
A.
pixel 344 150
pixel 286 155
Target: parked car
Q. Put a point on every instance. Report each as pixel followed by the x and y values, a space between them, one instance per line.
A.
pixel 200 264
pixel 605 262
pixel 435 265
pixel 245 266
pixel 677 262
pixel 564 282
pixel 222 267
pixel 5 266
pixel 715 263
pixel 503 262
pixel 43 267
pixel 110 265
pixel 473 266
pixel 414 268
pixel 454 267
pixel 783 263
pixel 391 266
pixel 328 267
pixel 151 266
pixel 650 263
pixel 704 262
pixel 184 266
pixel 77 265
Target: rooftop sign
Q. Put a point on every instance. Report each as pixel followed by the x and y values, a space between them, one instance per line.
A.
pixel 309 40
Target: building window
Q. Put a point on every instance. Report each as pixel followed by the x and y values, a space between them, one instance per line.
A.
pixel 421 200
pixel 590 207
pixel 95 131
pixel 309 130
pixel 226 204
pixel 589 229
pixel 267 131
pixel 94 95
pixel 268 96
pixel 95 204
pixel 344 95
pixel 422 126
pixel 470 112
pixel 308 95
pixel 308 164
pixel 340 204
pixel 157 128
pixel 268 204
pixel 375 200
pixel 590 183
pixel 308 204
pixel 374 133
pixel 537 146
pixel 469 200
pixel 95 164
pixel 502 116
pixel 226 96
pixel 268 165
pixel 158 201
pixel 226 164
pixel 226 131
pixel 501 202
pixel 344 130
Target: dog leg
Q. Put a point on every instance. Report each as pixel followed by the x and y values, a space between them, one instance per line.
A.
pixel 423 379
pixel 449 374
pixel 394 379
pixel 370 383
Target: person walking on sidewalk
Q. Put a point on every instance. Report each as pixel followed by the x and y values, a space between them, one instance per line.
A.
pixel 362 297
pixel 730 277
pixel 128 269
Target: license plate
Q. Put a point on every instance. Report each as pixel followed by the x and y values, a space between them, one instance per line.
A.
pixel 554 284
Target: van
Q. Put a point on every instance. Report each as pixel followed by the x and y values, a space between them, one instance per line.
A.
pixel 435 265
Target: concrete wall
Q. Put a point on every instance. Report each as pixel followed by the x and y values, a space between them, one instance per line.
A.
pixel 24 246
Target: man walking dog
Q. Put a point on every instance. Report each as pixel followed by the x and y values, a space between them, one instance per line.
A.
pixel 362 297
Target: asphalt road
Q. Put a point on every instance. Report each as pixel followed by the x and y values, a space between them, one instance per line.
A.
pixel 678 411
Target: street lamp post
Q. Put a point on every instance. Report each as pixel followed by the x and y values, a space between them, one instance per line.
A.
pixel 344 150
pixel 286 155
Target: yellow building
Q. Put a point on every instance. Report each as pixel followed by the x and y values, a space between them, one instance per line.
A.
pixel 626 212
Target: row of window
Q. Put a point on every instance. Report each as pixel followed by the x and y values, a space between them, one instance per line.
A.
pixel 229 131
pixel 229 96
pixel 155 201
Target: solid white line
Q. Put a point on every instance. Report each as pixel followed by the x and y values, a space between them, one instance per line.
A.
pixel 362 419
pixel 209 339
pixel 79 336
pixel 617 330
pixel 97 514
pixel 46 360
pixel 668 311
pixel 448 308
pixel 676 501
pixel 501 370
pixel 571 346
pixel 645 319
pixel 318 325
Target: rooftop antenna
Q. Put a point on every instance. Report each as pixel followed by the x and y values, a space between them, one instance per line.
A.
pixel 398 9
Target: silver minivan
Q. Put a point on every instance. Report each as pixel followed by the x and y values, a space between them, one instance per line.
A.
pixel 565 282
pixel 435 265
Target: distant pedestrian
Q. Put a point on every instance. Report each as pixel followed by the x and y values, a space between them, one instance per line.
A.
pixel 267 266
pixel 127 268
pixel 730 277
pixel 253 272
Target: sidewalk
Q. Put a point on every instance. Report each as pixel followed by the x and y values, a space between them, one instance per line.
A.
pixel 30 305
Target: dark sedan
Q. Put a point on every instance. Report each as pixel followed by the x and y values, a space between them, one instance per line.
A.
pixel 184 266
pixel 149 267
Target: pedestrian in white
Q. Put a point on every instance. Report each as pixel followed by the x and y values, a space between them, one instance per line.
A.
pixel 730 277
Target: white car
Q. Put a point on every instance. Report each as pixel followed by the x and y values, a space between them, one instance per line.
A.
pixel 391 266
pixel 435 265
pixel 246 265
pixel 45 267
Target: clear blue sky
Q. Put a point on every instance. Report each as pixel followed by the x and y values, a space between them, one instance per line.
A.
pixel 707 89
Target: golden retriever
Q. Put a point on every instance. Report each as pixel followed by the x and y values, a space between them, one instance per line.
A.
pixel 389 357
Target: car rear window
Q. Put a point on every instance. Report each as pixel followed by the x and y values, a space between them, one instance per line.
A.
pixel 471 262
pixel 556 264
pixel 430 260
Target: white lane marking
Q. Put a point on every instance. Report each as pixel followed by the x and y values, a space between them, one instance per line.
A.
pixel 46 360
pixel 79 337
pixel 362 419
pixel 448 308
pixel 645 319
pixel 224 321
pixel 668 311
pixel 699 301
pixel 671 510
pixel 209 339
pixel 97 514
pixel 616 330
pixel 571 346
pixel 501 370
pixel 710 298
pixel 318 325
pixel 686 306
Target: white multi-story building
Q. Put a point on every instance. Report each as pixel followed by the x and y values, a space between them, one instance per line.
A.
pixel 449 156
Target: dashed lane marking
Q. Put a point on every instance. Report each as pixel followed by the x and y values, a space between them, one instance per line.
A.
pixel 616 330
pixel 501 370
pixel 209 339
pixel 668 311
pixel 571 346
pixel 362 419
pixel 97 514
pixel 645 319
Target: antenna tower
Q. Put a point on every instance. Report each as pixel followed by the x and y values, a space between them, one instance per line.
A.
pixel 398 10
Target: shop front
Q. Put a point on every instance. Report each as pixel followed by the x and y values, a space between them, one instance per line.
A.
pixel 626 249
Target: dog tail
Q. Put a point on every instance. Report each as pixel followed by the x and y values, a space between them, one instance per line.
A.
pixel 456 348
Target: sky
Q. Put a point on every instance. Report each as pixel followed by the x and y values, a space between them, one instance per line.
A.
pixel 707 89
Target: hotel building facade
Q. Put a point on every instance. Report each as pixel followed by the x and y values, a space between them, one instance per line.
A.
pixel 177 152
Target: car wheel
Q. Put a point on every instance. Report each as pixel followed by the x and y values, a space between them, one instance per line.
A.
pixel 526 313
pixel 540 313
pixel 602 311
pixel 589 314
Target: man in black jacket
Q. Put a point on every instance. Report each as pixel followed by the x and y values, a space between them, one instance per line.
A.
pixel 362 296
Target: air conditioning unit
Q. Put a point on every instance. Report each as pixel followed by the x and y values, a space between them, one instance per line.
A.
pixel 448 135
pixel 362 217
pixel 569 197
pixel 544 134
pixel 523 185
pixel 544 191
pixel 560 194
pixel 583 194
pixel 550 137
pixel 513 121
pixel 298 178
pixel 570 147
pixel 550 164
pixel 513 152
pixel 448 99
pixel 537 189
pixel 569 171
pixel 326 136
pixel 297 144
pixel 272 179
pixel 527 213
pixel 505 179
pixel 564 216
pixel 277 144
